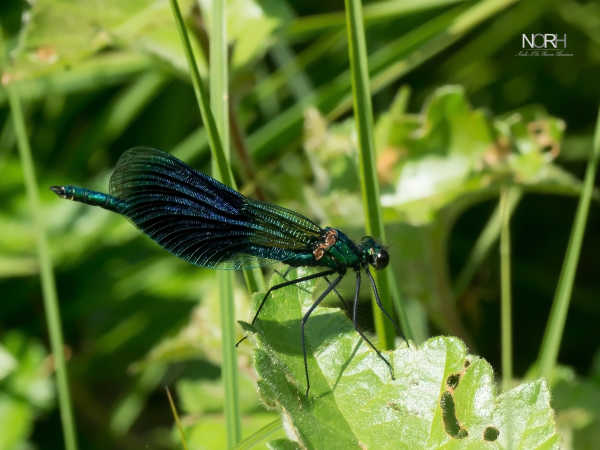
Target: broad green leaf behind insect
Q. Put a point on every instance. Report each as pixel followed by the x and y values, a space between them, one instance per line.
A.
pixel 441 397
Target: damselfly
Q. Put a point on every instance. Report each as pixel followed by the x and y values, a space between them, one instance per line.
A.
pixel 208 224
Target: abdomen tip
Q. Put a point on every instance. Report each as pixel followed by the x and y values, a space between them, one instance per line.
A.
pixel 58 190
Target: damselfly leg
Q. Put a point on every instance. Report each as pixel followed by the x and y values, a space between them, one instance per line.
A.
pixel 362 335
pixel 305 318
pixel 346 306
pixel 331 287
pixel 378 301
pixel 282 285
pixel 284 276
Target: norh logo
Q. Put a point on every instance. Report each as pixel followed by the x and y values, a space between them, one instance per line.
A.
pixel 543 44
pixel 543 40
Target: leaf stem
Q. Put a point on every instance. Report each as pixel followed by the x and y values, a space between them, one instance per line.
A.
pixel 46 274
pixel 562 297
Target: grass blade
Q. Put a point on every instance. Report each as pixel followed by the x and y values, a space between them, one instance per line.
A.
pixel 46 273
pixel 562 297
pixel 218 137
pixel 253 277
pixel 219 102
pixel 378 11
pixel 429 44
pixel 216 145
pixel 299 83
pixel 387 64
pixel 363 114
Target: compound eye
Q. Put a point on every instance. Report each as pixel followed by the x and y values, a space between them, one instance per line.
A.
pixel 381 260
pixel 373 259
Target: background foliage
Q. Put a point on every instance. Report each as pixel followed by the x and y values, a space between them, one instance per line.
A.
pixel 457 114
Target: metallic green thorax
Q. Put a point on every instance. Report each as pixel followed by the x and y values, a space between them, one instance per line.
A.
pixel 344 253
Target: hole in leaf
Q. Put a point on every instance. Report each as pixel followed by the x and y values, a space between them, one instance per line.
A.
pixel 491 434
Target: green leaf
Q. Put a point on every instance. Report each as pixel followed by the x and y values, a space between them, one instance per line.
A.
pixel 262 17
pixel 283 444
pixel 209 431
pixel 201 337
pixel 7 362
pixel 202 396
pixel 58 34
pixel 449 155
pixel 454 155
pixel 577 403
pixel 27 389
pixel 439 389
pixel 433 166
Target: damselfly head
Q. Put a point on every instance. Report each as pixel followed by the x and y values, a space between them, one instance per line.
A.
pixel 374 253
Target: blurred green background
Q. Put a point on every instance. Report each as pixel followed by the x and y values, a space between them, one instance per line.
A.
pixel 458 113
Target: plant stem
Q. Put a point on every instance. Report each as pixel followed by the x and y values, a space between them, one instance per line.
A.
pixel 562 297
pixel 219 102
pixel 260 436
pixel 485 241
pixel 369 184
pixel 254 278
pixel 218 135
pixel 176 417
pixel 239 144
pixel 216 145
pixel 46 273
pixel 506 306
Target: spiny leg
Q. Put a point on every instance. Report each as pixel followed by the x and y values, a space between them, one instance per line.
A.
pixel 282 285
pixel 354 320
pixel 378 300
pixel 305 318
pixel 346 306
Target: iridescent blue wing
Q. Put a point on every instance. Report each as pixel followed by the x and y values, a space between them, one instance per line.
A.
pixel 203 221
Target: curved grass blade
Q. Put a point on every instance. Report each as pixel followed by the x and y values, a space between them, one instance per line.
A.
pixel 560 305
pixel 46 274
pixel 369 183
pixel 219 95
pixel 254 278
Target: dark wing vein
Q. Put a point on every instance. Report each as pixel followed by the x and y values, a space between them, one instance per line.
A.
pixel 200 219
